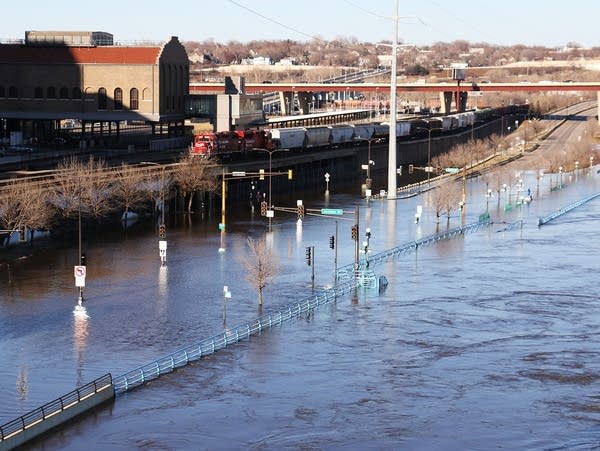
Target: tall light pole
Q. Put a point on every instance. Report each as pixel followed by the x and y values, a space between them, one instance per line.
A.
pixel 271 152
pixel 392 141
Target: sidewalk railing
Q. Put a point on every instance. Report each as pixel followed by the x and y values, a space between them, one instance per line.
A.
pixel 53 407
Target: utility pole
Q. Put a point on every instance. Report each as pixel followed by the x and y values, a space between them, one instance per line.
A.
pixel 392 141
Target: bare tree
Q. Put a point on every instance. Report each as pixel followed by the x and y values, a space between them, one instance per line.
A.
pixel 129 189
pixel 261 265
pixel 82 188
pixel 24 205
pixel 158 187
pixel 195 174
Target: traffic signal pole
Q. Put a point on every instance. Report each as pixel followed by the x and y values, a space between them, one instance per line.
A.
pixel 356 241
pixel 336 254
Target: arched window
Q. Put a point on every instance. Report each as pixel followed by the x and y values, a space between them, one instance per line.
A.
pixel 64 93
pixel 38 92
pixel 51 92
pixel 146 94
pixel 76 93
pixel 13 92
pixel 134 103
pixel 118 96
pixel 102 98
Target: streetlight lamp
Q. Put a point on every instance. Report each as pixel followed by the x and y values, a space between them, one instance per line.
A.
pixel 560 169
pixel 576 169
pixel 591 163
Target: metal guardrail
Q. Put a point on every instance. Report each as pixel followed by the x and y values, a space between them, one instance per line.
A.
pixel 347 281
pixel 53 407
pixel 562 211
pixel 182 357
pixel 348 272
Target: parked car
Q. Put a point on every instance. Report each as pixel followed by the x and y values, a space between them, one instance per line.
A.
pixel 20 148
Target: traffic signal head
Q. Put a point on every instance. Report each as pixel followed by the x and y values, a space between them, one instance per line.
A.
pixel 162 230
pixel 290 174
pixel 300 211
pixel 83 259
pixel 355 232
pixel 263 208
pixel 308 256
pixel 332 242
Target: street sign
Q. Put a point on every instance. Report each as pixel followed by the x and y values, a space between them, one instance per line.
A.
pixel 332 211
pixel 270 213
pixel 452 170
pixel 221 226
pixel 80 276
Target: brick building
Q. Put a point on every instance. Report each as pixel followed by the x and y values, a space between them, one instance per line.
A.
pixel 82 76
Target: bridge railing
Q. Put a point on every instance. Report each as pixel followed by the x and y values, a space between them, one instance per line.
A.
pixel 53 407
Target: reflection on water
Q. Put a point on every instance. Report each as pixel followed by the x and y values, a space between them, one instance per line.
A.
pixel 483 341
pixel 80 337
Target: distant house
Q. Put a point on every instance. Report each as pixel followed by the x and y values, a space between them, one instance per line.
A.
pixel 257 61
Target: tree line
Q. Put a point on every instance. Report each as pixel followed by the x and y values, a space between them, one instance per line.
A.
pixel 94 191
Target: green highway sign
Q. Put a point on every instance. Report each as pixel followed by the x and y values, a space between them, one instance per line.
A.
pixel 452 170
pixel 332 211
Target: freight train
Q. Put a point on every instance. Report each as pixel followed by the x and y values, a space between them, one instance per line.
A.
pixel 228 145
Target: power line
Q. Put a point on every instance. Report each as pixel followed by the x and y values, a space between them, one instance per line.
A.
pixel 270 19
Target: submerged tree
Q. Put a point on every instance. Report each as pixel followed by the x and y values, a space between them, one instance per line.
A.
pixel 261 265
pixel 195 174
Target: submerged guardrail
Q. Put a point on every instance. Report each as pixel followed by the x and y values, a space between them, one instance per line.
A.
pixel 348 272
pixel 561 211
pixel 184 356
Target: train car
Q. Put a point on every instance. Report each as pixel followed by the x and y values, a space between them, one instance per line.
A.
pixel 341 134
pixel 434 124
pixel 256 139
pixel 288 138
pixel 221 143
pixel 381 131
pixel 318 136
pixel 363 131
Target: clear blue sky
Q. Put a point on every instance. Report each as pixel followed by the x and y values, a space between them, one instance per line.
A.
pixel 548 23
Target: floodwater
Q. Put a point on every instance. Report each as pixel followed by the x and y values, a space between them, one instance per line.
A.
pixel 489 340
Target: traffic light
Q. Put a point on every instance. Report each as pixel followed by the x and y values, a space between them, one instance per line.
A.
pixel 355 232
pixel 83 260
pixel 22 234
pixel 300 211
pixel 308 256
pixel 410 168
pixel 162 231
pixel 261 174
pixel 290 174
pixel 263 208
pixel 332 242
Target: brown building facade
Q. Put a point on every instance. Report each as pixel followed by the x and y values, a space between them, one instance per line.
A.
pixel 45 81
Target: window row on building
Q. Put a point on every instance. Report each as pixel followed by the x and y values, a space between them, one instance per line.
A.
pixel 75 93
